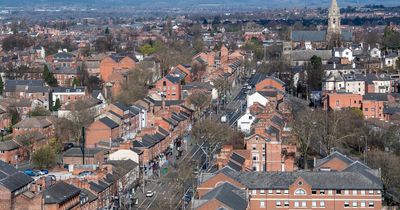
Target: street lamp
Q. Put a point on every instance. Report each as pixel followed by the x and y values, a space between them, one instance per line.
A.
pixel 366 148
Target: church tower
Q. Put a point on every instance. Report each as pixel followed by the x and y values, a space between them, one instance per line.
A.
pixel 333 21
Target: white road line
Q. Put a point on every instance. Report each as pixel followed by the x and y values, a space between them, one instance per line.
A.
pixel 152 201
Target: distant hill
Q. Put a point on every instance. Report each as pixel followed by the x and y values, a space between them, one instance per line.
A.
pixel 192 3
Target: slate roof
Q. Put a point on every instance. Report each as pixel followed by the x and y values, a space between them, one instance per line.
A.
pixel 278 121
pixel 24 82
pixel 237 158
pixel 305 55
pixel 8 145
pixel 60 192
pixel 98 187
pixel 109 122
pixel 33 122
pixel 77 152
pixel 90 195
pixel 15 181
pixel 375 97
pixel 317 36
pixel 7 168
pixel 268 93
pixel 317 180
pixel 121 106
pixel 332 156
pixel 229 195
pixel 174 79
pixel 234 166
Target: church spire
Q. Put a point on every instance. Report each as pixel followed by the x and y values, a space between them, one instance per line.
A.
pixel 333 20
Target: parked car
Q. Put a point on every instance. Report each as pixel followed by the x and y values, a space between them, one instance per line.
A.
pixel 30 172
pixel 149 193
pixel 43 172
pixel 84 173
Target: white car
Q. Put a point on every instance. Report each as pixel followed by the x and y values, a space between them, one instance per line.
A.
pixel 149 193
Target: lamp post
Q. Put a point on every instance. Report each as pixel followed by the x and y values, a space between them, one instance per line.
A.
pixel 366 148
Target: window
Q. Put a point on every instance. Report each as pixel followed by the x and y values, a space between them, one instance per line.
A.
pixel 346 192
pixel 314 204
pixel 362 203
pixel 278 191
pixel 254 147
pixel 278 203
pixel 354 192
pixel 354 204
pixel 262 204
pixel 322 203
pixel 286 192
pixel 330 192
pixel 269 191
pixel 338 192
pixel 296 204
pixel 314 192
pixel 304 204
pixel 346 204
pixel 262 192
pixel 366 109
pixel 371 204
pixel 378 192
pixel 362 192
pixel 322 192
pixel 286 203
pixel 371 192
pixel 300 192
pixel 254 192
pixel 337 102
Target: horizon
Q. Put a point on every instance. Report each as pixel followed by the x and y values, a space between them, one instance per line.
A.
pixel 273 4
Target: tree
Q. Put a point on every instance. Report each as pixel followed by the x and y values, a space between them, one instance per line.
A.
pixel 75 82
pixel 199 101
pixel 57 105
pixel 198 45
pixel 15 117
pixel 305 128
pixel 391 38
pixel 107 31
pixel 136 85
pixel 315 74
pixel 81 115
pixel 48 77
pixel 147 49
pixel 1 85
pixel 39 111
pixel 16 41
pixel 44 157
pixel 389 166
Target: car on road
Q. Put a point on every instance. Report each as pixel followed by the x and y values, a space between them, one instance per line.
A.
pixel 149 193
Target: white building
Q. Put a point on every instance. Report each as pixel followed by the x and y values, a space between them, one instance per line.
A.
pixel 346 83
pixel 375 53
pixel 256 97
pixel 124 154
pixel 342 52
pixel 244 122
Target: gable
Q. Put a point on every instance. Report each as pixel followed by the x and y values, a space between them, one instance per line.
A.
pixel 335 164
pixel 215 181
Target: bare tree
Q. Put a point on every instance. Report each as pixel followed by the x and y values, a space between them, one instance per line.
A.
pixel 81 116
pixel 200 101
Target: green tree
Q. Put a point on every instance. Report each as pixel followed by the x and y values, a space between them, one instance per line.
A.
pixel 75 82
pixel 200 101
pixel 147 49
pixel 391 38
pixel 48 77
pixel 107 31
pixel 44 157
pixel 57 105
pixel 315 74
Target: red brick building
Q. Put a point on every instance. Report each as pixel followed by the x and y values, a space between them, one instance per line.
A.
pixel 170 87
pixel 104 129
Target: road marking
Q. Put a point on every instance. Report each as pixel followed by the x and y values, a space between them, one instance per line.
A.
pixel 152 202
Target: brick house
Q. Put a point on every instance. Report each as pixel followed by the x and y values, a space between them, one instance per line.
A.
pixel 13 183
pixel 104 129
pixel 39 124
pixel 66 75
pixel 373 105
pixel 61 196
pixel 5 119
pixel 170 87
pixel 68 95
pixel 185 71
pixel 270 83
pixel 114 63
pixel 10 152
pixel 93 156
pixel 312 189
pixel 27 89
pixel 336 101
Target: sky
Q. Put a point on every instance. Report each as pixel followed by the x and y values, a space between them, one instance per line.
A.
pixel 191 3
